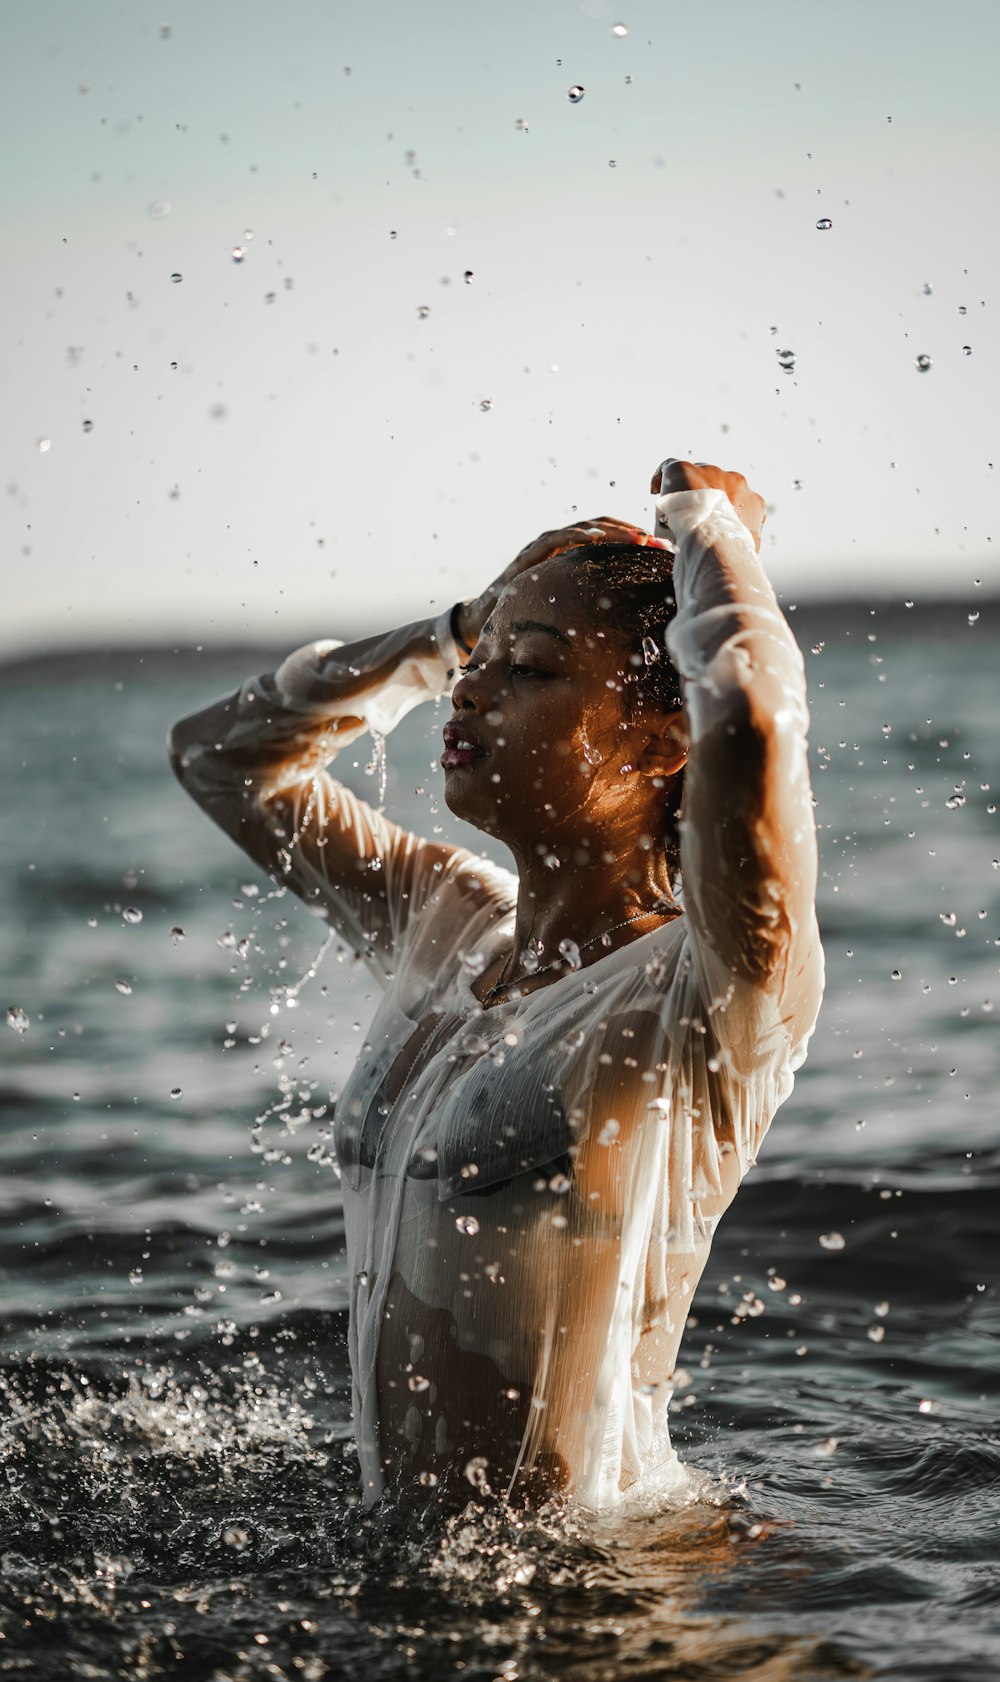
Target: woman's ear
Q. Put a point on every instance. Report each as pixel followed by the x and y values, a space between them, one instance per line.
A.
pixel 664 751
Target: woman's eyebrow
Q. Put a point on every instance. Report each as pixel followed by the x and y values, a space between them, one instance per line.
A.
pixel 536 625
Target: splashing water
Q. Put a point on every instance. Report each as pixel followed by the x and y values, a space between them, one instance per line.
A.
pixel 378 766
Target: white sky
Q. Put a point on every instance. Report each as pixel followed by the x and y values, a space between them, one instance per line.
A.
pixel 322 460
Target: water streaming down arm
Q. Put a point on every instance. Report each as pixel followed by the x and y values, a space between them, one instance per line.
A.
pixel 255 763
pixel 748 840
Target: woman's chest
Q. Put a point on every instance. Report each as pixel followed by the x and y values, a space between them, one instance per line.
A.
pixel 467 1100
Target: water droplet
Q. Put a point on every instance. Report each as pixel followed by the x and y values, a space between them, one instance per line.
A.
pixel 570 951
pixel 620 30
pixel 928 1407
pixel 175 1093
pixel 875 1333
pixel 131 915
pixel 650 651
pixel 609 1132
pixel 786 361
pixel 530 958
pixel 238 253
pixel 832 1240
pixel 423 311
pixel 467 1224
pixel 468 277
pixel 135 1277
pixel 177 935
pixel 417 1383
pixel 428 1479
pixel 486 403
pixel 18 1019
pixel 177 278
pixel 234 1536
pixel 927 289
pixel 159 209
pixel 897 975
pixel 924 364
pixel 123 987
pixel 824 224
pixel 966 350
pixel 44 446
pixel 881 1309
pixel 575 94
pixel 475 1471
pixel 88 426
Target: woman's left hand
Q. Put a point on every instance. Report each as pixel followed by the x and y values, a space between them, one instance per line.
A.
pixel 471 616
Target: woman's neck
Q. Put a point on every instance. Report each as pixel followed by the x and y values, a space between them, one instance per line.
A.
pixel 579 893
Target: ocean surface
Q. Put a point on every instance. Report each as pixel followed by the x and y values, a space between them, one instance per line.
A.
pixel 178 1485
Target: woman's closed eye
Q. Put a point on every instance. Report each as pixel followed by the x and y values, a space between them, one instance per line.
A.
pixel 516 668
pixel 519 668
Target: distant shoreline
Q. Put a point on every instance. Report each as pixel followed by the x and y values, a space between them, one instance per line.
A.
pixel 839 622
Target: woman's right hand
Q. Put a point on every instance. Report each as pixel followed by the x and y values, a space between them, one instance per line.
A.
pixel 676 475
pixel 471 616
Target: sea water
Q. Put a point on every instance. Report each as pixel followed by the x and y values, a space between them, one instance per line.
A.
pixel 178 1483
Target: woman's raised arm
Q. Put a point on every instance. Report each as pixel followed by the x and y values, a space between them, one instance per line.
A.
pixel 748 839
pixel 255 763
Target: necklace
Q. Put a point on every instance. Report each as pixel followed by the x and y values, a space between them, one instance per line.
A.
pixel 605 934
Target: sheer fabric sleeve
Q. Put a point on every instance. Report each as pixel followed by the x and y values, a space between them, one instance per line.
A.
pixel 256 764
pixel 748 839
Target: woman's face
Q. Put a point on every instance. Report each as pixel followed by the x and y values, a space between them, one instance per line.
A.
pixel 538 742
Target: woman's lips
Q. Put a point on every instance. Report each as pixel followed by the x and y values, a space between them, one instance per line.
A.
pixel 460 747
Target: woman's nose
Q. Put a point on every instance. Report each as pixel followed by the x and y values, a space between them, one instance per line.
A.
pixel 472 690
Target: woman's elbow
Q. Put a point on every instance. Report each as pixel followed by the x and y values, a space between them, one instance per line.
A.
pixel 185 746
pixel 201 764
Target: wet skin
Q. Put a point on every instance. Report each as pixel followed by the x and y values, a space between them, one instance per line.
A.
pixel 540 752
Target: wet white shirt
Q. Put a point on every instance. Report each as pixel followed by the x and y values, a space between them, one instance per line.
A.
pixel 530 1190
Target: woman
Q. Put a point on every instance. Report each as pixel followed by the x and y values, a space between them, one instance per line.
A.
pixel 568 1073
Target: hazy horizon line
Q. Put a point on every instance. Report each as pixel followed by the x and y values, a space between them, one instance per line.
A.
pixel 945 615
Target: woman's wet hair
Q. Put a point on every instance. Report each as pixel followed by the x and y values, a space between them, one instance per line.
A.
pixel 629 587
